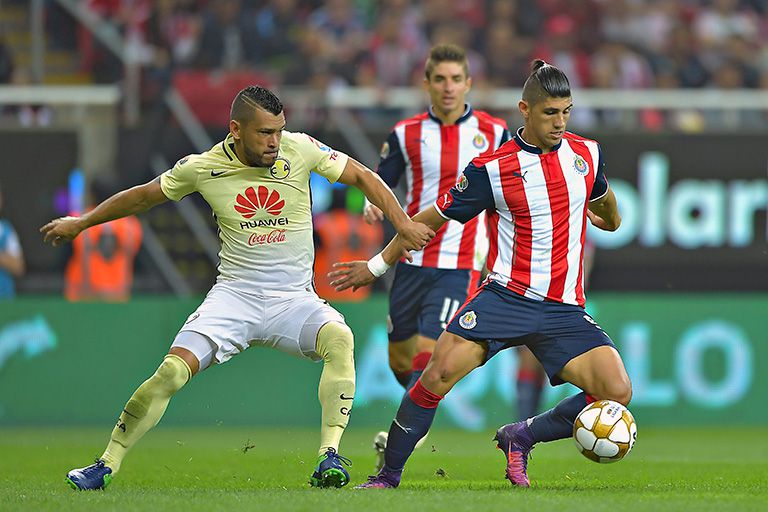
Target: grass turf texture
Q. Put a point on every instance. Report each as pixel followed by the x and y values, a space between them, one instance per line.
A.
pixel 230 469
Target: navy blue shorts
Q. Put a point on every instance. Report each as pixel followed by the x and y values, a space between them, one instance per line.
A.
pixel 423 300
pixel 555 332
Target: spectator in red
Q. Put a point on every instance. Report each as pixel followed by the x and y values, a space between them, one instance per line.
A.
pixel 560 47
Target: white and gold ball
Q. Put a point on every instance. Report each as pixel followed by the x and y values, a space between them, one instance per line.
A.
pixel 604 431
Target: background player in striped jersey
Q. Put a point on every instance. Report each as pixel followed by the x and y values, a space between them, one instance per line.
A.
pixel 431 149
pixel 539 188
pixel 257 184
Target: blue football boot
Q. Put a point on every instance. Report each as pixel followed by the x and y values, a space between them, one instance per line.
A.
pixel 329 471
pixel 95 476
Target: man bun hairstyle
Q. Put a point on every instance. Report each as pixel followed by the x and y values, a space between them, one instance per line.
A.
pixel 545 81
pixel 254 96
pixel 446 53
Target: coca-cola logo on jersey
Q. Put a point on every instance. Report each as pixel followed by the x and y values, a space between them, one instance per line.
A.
pixel 275 236
pixel 253 200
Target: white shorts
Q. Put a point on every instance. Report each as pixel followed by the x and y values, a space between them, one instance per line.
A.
pixel 233 320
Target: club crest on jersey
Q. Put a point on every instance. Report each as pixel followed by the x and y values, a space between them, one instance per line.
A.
pixel 468 320
pixel 384 153
pixel 479 141
pixel 580 165
pixel 281 169
pixel 462 184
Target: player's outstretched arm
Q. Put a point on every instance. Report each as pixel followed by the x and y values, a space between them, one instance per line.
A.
pixel 355 274
pixel 414 235
pixel 128 202
pixel 603 213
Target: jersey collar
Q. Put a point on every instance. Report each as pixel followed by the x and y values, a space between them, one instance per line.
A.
pixel 227 145
pixel 466 115
pixel 528 147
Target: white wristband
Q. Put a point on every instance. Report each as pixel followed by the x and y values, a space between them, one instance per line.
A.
pixel 377 265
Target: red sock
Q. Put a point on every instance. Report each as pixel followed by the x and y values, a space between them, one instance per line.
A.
pixel 420 361
pixel 423 397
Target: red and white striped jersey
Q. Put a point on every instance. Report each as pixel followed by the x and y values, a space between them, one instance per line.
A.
pixel 538 206
pixel 432 155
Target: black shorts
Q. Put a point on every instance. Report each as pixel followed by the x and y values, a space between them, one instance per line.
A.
pixel 555 332
pixel 423 300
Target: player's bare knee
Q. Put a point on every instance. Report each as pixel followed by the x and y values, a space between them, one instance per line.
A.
pixel 618 391
pixel 430 375
pixel 627 396
pixel 437 374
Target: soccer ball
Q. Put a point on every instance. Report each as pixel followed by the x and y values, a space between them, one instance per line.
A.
pixel 604 431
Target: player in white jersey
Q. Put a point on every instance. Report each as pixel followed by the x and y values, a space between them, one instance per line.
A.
pixel 539 189
pixel 430 150
pixel 257 184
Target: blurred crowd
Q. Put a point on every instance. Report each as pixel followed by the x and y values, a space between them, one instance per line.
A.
pixel 598 43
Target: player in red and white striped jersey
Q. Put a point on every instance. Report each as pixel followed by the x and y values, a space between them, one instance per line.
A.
pixel 540 188
pixel 430 150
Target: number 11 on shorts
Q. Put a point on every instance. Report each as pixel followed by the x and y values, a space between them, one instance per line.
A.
pixel 450 306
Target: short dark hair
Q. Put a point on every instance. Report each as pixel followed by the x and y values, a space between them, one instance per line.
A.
pixel 545 81
pixel 252 97
pixel 445 53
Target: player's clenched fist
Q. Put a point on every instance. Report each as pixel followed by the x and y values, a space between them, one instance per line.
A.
pixel 61 230
pixel 415 235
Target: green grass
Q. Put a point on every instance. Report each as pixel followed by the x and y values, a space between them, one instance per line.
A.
pixel 207 469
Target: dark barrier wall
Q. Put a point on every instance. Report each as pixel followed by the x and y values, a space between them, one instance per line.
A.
pixel 694 213
pixel 694 359
pixel 33 178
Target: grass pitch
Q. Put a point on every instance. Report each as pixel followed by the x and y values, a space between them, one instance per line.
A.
pixel 211 469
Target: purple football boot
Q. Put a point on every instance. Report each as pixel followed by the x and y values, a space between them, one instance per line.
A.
pixel 516 441
pixel 384 480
